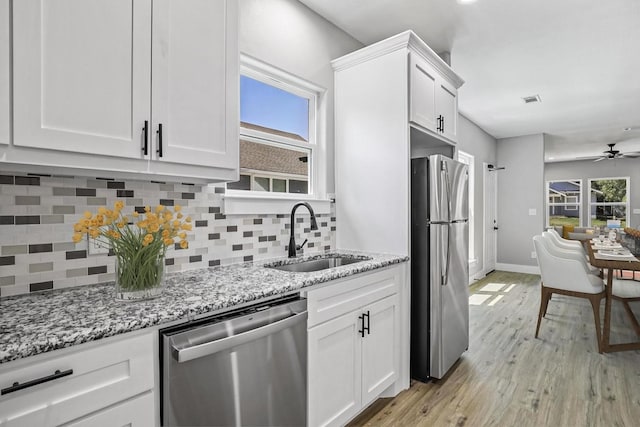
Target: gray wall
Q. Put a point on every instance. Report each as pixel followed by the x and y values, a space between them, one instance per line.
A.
pixel 288 35
pixel 520 188
pixel 586 169
pixel 473 140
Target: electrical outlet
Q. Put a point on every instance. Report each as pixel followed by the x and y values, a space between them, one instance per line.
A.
pixel 97 246
pixel 533 254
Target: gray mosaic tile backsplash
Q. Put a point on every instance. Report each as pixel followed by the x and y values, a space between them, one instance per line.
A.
pixel 37 214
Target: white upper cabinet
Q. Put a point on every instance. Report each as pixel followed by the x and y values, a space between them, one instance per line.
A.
pixel 195 90
pixel 429 85
pixel 447 109
pixel 4 72
pixel 423 81
pixel 144 86
pixel 82 75
pixel 433 101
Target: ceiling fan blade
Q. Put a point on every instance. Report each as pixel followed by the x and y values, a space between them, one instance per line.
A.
pixel 601 158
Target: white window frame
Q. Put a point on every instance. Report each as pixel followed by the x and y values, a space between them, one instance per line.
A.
pixel 578 204
pixel 254 202
pixel 469 160
pixel 627 204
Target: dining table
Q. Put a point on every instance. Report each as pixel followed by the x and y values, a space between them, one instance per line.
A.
pixel 609 260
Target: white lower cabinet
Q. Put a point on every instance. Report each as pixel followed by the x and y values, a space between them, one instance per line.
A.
pixel 354 356
pixel 104 384
pixel 131 413
pixel 379 357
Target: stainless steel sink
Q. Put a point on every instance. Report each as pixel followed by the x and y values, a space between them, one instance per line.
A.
pixel 317 264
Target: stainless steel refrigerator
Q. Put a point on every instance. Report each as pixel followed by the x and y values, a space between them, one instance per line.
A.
pixel 439 265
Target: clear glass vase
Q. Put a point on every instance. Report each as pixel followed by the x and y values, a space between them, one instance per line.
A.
pixel 137 281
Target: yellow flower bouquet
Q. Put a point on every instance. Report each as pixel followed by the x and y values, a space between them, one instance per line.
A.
pixel 139 243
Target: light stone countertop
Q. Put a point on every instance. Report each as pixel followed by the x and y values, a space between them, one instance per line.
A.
pixel 40 322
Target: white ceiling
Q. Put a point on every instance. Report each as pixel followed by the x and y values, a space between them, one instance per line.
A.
pixel 581 56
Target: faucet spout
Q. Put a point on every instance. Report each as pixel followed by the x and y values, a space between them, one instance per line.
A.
pixel 314 226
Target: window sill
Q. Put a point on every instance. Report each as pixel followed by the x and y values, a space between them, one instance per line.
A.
pixel 255 204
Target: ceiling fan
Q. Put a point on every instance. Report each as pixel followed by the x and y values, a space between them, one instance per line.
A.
pixel 611 153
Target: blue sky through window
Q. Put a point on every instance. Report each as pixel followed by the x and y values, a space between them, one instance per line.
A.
pixel 265 105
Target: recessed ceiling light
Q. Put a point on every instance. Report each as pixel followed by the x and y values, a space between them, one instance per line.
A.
pixel 466 1
pixel 627 129
pixel 531 99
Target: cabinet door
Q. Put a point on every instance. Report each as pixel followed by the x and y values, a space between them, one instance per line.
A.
pixel 334 371
pixel 422 80
pixel 195 82
pixel 136 412
pixel 447 107
pixel 380 348
pixel 4 71
pixel 82 75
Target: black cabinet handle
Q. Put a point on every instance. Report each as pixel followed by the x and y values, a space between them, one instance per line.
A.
pixel 439 120
pixel 17 386
pixel 145 130
pixel 442 125
pixel 364 328
pixel 159 132
pixel 367 328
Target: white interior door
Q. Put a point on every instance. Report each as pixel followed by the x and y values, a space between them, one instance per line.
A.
pixel 82 75
pixel 490 219
pixel 195 82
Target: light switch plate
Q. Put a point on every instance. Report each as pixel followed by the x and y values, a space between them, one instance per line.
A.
pixel 636 211
pixel 533 212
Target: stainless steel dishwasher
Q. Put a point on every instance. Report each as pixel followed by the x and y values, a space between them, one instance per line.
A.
pixel 244 368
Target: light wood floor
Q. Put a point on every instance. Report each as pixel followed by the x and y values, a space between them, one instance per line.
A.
pixel 509 378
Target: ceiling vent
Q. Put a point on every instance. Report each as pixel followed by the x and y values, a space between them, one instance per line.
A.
pixel 531 99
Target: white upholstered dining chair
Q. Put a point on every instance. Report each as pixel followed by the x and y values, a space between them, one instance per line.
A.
pixel 571 249
pixel 566 275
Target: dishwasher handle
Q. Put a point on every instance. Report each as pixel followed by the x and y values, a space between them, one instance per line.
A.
pixel 205 349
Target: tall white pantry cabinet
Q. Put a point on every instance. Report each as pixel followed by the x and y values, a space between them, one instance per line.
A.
pixel 389 96
pixel 145 86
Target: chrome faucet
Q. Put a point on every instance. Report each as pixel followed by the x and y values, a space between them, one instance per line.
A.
pixel 292 240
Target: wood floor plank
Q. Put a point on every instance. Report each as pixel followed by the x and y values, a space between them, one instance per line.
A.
pixel 509 378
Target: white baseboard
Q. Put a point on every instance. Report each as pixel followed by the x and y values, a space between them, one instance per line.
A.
pixel 517 268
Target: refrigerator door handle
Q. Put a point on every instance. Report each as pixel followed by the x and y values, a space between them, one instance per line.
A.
pixel 445 276
pixel 445 273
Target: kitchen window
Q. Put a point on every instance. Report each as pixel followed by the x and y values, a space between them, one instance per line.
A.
pixel 563 202
pixel 608 200
pixel 279 150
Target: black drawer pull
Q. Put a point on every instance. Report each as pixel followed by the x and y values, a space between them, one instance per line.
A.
pixel 362 330
pixel 17 386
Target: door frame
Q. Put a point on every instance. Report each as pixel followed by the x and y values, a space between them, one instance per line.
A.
pixel 485 223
